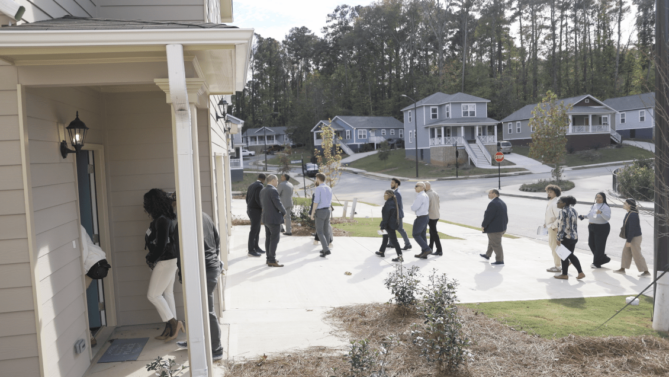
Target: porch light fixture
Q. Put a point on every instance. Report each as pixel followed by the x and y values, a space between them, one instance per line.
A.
pixel 223 107
pixel 77 133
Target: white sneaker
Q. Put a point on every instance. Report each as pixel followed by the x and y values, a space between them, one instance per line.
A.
pixel 554 269
pixel 317 242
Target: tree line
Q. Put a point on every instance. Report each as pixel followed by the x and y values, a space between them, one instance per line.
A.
pixel 508 51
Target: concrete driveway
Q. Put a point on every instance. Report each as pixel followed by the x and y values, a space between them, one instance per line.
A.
pixel 528 163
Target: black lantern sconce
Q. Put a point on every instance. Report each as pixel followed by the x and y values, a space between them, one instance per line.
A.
pixel 223 107
pixel 77 133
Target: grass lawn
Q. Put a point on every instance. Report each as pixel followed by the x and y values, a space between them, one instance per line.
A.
pixel 249 178
pixel 577 316
pixel 307 202
pixel 398 165
pixel 367 227
pixel 599 156
pixel 476 228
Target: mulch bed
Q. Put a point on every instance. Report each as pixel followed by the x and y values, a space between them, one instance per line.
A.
pixel 498 350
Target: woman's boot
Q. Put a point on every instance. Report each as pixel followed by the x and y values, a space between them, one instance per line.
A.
pixel 166 332
pixel 175 327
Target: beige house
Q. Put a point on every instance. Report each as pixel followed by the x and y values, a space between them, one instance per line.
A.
pixel 148 92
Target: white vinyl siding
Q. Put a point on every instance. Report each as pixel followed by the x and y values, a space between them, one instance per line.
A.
pixel 510 130
pixel 362 134
pixel 642 115
pixel 623 117
pixel 348 134
pixel 434 112
pixel 517 127
pixel 468 110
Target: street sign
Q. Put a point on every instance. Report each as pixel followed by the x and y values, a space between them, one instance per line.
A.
pixel 296 161
pixel 499 156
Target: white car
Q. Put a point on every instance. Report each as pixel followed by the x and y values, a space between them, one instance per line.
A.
pixel 246 152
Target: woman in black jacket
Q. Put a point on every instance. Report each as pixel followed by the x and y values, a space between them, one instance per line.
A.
pixel 390 223
pixel 632 235
pixel 162 241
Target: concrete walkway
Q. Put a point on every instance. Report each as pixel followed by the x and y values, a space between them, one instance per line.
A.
pixel 528 163
pixel 271 310
pixel 641 144
pixel 357 156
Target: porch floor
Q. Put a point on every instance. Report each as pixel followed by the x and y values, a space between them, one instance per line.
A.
pixel 271 310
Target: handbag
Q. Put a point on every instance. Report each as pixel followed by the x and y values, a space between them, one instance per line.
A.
pixel 622 229
pixel 99 270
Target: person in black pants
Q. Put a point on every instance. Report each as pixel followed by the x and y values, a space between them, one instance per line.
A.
pixel 254 210
pixel 272 216
pixel 390 223
pixel 567 235
pixel 598 230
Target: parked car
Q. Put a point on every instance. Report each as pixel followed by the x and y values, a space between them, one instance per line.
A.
pixel 505 147
pixel 246 152
pixel 310 170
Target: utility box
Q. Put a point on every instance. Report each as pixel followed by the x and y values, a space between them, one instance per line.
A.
pixel 79 346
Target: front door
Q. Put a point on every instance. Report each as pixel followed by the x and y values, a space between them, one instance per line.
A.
pixel 88 211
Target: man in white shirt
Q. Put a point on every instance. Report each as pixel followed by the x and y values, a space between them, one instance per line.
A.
pixel 421 206
pixel 551 223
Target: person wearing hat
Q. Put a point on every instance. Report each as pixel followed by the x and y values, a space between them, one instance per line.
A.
pixel 631 232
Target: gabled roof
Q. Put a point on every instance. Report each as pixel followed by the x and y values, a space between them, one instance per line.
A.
pixel 462 121
pixel 85 23
pixel 234 119
pixel 440 98
pixel 526 111
pixel 270 130
pixel 371 122
pixel 335 125
pixel 635 102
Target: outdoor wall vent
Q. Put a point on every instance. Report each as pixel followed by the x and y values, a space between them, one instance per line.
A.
pixel 587 100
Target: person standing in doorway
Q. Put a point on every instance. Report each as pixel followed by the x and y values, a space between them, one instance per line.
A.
pixel 551 224
pixel 598 230
pixel 395 186
pixel 390 218
pixel 163 244
pixel 494 225
pixel 273 213
pixel 286 194
pixel 254 210
pixel 421 206
pixel 632 233
pixel 567 235
pixel 433 216
pixel 321 213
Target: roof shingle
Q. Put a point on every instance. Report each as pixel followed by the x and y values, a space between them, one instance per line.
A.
pixel 84 23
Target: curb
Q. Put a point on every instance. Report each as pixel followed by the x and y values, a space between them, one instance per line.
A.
pixel 614 163
pixel 406 179
pixel 544 199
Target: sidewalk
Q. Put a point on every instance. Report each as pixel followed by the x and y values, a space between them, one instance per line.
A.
pixel 358 156
pixel 271 310
pixel 528 163
pixel 641 144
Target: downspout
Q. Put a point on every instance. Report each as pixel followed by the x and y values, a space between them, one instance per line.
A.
pixel 185 184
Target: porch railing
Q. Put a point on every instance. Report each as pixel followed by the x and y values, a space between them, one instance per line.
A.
pixel 236 163
pixel 269 142
pixel 446 141
pixel 487 139
pixel 602 128
pixel 587 129
pixel 376 139
pixel 486 154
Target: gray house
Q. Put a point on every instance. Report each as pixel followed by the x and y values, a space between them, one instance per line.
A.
pixel 352 132
pixel 236 161
pixel 254 138
pixel 592 123
pixel 636 115
pixel 444 123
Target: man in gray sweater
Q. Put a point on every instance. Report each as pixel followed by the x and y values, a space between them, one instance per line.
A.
pixel 433 216
pixel 285 189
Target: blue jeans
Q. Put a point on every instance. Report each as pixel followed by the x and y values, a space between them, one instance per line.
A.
pixel 420 232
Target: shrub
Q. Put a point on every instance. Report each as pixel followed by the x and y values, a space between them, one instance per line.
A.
pixel 637 180
pixel 540 186
pixel 384 151
pixel 404 286
pixel 570 149
pixel 440 337
pixel 366 362
pixel 302 214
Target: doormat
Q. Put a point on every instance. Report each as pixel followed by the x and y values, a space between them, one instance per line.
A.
pixel 123 350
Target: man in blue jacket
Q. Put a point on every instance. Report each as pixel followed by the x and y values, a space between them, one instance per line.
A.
pixel 395 185
pixel 494 225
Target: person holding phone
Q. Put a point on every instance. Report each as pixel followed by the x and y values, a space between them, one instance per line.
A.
pixel 390 220
pixel 598 230
pixel 567 235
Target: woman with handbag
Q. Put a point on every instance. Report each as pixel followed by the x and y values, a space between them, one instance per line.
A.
pixel 163 244
pixel 598 230
pixel 390 220
pixel 567 235
pixel 631 232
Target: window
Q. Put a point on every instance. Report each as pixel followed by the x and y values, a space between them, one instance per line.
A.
pixel 533 128
pixel 410 113
pixel 392 132
pixel 517 127
pixel 479 131
pixel 510 130
pixel 448 111
pixel 642 115
pixel 254 140
pixel 434 112
pixel 623 117
pixel 604 120
pixel 468 110
pixel 410 136
pixel 402 133
pixel 383 132
pixel 319 135
pixel 362 134
pixel 270 139
pixel 348 134
pixel 372 133
pixel 447 132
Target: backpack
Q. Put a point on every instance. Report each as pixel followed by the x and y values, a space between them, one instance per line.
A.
pixel 99 270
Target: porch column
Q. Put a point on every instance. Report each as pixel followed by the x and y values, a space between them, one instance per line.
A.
pixel 496 133
pixel 183 93
pixel 462 130
pixel 442 135
pixel 589 122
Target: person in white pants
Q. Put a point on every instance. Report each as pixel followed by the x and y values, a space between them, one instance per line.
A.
pixel 162 241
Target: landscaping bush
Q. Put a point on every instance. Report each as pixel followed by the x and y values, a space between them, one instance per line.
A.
pixel 302 215
pixel 403 284
pixel 637 180
pixel 440 337
pixel 384 151
pixel 366 362
pixel 540 186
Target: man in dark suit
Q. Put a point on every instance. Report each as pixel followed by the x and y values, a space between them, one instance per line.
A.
pixel 494 225
pixel 254 210
pixel 395 186
pixel 272 216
